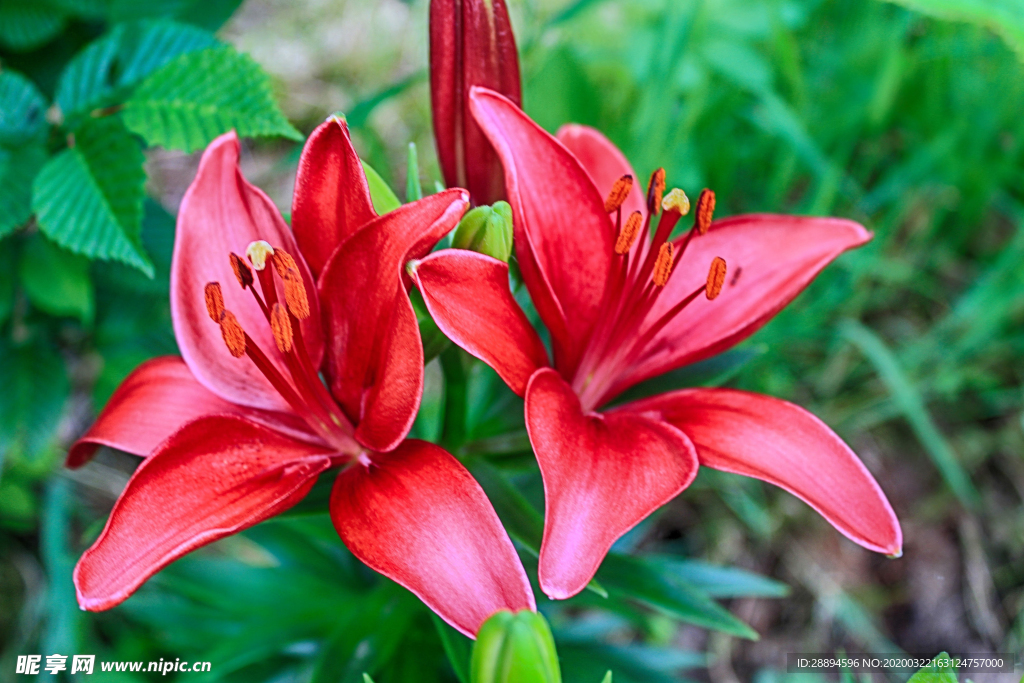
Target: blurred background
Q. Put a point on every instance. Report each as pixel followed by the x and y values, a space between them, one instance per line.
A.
pixel 905 118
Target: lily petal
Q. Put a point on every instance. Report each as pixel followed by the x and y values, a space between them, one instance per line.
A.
pixel 375 356
pixel 770 259
pixel 332 198
pixel 223 213
pixel 157 399
pixel 603 474
pixel 783 444
pixel 468 297
pixel 604 162
pixel 563 236
pixel 418 517
pixel 214 477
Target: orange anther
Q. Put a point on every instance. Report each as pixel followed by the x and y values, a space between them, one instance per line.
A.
pixel 627 236
pixel 620 190
pixel 234 335
pixel 281 325
pixel 242 272
pixel 663 266
pixel 294 289
pixel 716 277
pixel 655 191
pixel 214 301
pixel 705 211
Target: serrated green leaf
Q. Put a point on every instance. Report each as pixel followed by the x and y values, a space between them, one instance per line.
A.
pixel 383 197
pixel 22 109
pixel 35 387
pixel 105 71
pixel 200 95
pixel 89 198
pixel 55 280
pixel 25 25
pixel 18 167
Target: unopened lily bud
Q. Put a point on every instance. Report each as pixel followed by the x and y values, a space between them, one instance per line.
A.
pixel 471 44
pixel 514 648
pixel 486 229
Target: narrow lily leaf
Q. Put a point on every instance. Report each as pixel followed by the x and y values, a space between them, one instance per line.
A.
pixel 413 189
pixel 199 95
pixel 717 581
pixel 607 677
pixel 457 647
pixel 912 404
pixel 89 197
pixel 105 71
pixel 939 671
pixel 27 24
pixel 1005 18
pixel 633 577
pixel 384 198
pixel 22 109
pixel 18 168
pixel 55 280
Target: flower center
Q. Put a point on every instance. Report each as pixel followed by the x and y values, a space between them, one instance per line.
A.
pixel 638 275
pixel 302 387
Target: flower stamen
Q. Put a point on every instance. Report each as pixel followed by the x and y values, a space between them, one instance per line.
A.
pixel 242 272
pixel 705 211
pixel 257 252
pixel 620 190
pixel 677 201
pixel 663 265
pixel 716 277
pixel 294 290
pixel 655 191
pixel 628 234
pixel 214 301
pixel 234 335
pixel 281 326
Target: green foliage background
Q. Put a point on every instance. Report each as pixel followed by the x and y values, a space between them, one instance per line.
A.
pixel 906 117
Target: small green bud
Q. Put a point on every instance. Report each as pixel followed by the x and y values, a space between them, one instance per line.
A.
pixel 514 648
pixel 486 229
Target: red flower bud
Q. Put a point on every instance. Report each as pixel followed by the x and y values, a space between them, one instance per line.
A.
pixel 471 43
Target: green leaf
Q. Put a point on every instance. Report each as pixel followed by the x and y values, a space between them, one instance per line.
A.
pixel 717 581
pixel 22 109
pixel 939 671
pixel 55 280
pixel 104 73
pixel 1005 17
pixel 89 197
pixel 457 647
pixel 18 167
pixel 35 388
pixel 633 577
pixel 711 372
pixel 366 678
pixel 413 189
pixel 607 677
pixel 383 197
pixel 912 404
pixel 25 25
pixel 200 95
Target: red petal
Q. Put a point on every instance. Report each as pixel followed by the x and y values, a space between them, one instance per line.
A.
pixel 603 473
pixel 471 43
pixel 563 236
pixel 419 518
pixel 604 162
pixel 783 444
pixel 770 259
pixel 213 478
pixel 468 296
pixel 332 199
pixel 222 213
pixel 375 356
pixel 158 398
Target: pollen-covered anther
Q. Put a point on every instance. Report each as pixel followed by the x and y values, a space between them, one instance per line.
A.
pixel 257 253
pixel 627 236
pixel 705 211
pixel 242 272
pixel 281 325
pixel 620 190
pixel 716 277
pixel 655 191
pixel 677 201
pixel 234 335
pixel 294 289
pixel 663 266
pixel 214 301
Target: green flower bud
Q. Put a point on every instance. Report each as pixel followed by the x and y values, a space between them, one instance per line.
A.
pixel 486 229
pixel 514 648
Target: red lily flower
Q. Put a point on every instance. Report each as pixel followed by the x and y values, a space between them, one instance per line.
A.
pixel 621 310
pixel 471 43
pixel 238 429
